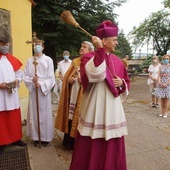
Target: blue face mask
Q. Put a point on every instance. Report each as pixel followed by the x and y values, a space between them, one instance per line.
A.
pixel 166 61
pixel 38 49
pixel 66 57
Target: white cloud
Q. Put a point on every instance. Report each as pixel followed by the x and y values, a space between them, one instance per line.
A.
pixel 134 12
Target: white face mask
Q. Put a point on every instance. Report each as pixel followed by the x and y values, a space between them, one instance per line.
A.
pixel 38 49
pixel 4 49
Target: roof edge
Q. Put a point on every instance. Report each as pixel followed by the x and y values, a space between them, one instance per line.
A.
pixel 33 3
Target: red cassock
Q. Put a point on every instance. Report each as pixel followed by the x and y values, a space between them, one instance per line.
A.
pixel 10 120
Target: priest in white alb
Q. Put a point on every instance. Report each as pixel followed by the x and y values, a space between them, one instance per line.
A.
pixel 39 75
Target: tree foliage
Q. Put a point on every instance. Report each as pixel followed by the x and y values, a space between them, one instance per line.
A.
pixel 155 30
pixel 166 3
pixel 123 47
pixel 59 36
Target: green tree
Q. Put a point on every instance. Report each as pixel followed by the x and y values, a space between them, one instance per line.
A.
pixel 123 47
pixel 59 36
pixel 156 30
pixel 166 3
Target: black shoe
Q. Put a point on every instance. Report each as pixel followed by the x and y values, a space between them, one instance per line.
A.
pixel 157 105
pixel 36 143
pixel 45 144
pixel 19 143
pixel 153 105
pixel 2 147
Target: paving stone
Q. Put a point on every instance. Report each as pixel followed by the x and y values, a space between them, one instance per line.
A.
pixel 146 143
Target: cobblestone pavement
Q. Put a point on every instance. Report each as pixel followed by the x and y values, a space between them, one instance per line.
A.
pixel 147 144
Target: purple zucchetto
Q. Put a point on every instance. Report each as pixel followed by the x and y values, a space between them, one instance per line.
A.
pixel 107 29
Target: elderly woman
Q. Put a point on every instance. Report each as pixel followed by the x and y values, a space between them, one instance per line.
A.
pixel 163 86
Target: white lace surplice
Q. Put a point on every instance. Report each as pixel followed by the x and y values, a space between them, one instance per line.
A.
pixel 7 69
pixel 101 114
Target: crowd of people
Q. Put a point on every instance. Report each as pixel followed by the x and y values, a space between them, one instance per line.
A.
pixel 88 93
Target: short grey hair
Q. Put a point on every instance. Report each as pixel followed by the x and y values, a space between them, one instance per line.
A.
pixel 91 47
pixel 66 53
